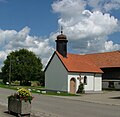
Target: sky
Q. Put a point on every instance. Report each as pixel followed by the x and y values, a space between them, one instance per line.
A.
pixel 91 26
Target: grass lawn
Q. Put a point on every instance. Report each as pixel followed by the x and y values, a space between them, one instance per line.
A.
pixel 37 89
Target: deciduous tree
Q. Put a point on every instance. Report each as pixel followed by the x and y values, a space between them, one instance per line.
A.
pixel 22 65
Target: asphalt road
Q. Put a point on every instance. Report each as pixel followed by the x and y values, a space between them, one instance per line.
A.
pixel 49 106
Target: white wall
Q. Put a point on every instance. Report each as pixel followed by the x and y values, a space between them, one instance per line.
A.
pixel 98 82
pixel 94 82
pixel 56 76
pixel 90 82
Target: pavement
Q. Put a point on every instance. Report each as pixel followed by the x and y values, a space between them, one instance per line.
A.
pixel 106 97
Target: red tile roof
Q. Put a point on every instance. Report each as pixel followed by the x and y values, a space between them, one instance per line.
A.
pixel 78 63
pixel 90 62
pixel 105 60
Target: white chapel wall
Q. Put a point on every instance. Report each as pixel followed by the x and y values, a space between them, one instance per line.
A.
pixel 90 86
pixel 98 82
pixel 56 76
pixel 90 81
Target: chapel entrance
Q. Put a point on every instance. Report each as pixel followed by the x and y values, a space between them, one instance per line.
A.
pixel 73 86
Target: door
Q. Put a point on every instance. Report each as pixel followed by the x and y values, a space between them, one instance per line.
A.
pixel 73 86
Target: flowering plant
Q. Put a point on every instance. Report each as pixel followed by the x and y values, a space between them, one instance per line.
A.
pixel 22 94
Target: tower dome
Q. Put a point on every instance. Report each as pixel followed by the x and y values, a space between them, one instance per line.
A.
pixel 61 36
pixel 61 44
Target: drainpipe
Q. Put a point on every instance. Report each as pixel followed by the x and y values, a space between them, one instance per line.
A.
pixel 94 83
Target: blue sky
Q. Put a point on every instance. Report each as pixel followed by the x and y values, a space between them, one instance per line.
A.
pixel 36 14
pixel 91 26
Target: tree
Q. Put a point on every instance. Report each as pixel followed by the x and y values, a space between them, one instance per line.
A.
pixel 22 65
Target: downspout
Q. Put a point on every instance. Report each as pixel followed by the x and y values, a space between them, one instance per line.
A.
pixel 94 83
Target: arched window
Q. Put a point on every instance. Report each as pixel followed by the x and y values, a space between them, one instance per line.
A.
pixel 85 80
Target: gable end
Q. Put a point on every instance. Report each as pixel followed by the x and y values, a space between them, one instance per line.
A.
pixel 51 60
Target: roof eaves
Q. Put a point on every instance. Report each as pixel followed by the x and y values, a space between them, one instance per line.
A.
pixel 101 72
pixel 49 61
pixel 61 61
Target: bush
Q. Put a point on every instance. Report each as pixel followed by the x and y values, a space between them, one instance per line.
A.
pixel 35 83
pixel 26 83
pixel 81 88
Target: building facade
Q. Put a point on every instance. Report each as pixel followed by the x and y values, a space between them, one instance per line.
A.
pixel 65 72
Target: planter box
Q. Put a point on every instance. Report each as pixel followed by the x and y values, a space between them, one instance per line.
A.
pixel 19 107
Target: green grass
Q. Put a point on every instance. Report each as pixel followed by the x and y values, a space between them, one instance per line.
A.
pixel 59 94
pixel 38 90
pixel 8 87
pixel 16 87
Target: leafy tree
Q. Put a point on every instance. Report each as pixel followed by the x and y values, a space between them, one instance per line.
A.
pixel 22 65
pixel 0 75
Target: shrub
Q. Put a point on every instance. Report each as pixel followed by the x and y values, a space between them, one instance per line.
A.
pixel 81 88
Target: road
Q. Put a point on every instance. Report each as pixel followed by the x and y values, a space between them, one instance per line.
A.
pixel 49 106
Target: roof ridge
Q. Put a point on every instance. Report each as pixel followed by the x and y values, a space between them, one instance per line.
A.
pixel 118 51
pixel 103 52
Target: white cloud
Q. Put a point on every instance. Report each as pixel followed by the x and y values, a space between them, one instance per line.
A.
pixel 104 5
pixel 2 55
pixel 12 40
pixel 110 46
pixel 87 31
pixel 69 7
pixel 94 24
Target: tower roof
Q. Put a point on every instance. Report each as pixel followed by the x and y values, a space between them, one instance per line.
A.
pixel 61 36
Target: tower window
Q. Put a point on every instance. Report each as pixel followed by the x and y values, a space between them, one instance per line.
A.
pixel 85 80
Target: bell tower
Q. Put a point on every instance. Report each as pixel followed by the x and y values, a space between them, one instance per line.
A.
pixel 61 44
